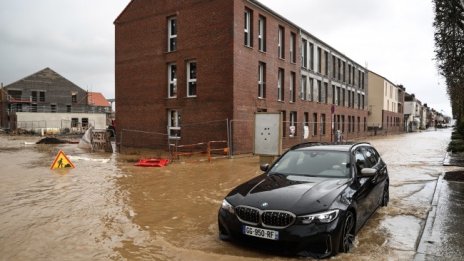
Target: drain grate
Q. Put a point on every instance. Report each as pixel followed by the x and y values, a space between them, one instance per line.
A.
pixel 454 176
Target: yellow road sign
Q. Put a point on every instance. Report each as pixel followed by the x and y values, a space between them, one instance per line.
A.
pixel 61 161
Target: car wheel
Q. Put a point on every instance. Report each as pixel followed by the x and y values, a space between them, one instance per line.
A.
pixel 385 196
pixel 347 237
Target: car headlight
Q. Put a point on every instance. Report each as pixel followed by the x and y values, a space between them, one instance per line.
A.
pixel 228 207
pixel 323 217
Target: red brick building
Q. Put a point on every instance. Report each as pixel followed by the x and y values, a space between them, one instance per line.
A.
pixel 198 70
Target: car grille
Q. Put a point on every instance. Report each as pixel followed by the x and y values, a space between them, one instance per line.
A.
pixel 247 214
pixel 268 218
pixel 277 218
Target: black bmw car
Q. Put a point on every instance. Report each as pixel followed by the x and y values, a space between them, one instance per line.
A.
pixel 314 199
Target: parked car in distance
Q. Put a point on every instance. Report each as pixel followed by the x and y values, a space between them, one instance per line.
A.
pixel 313 199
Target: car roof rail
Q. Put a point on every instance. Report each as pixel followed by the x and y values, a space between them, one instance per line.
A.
pixel 308 144
pixel 359 143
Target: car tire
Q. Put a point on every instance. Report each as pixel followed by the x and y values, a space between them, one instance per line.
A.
pixel 347 233
pixel 385 196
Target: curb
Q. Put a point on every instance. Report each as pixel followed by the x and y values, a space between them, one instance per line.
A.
pixel 426 236
pixel 446 160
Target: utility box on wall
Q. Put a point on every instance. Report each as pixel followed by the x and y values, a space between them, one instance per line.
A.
pixel 267 135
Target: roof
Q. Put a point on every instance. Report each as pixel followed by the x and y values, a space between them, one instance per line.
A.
pixel 327 146
pixel 44 79
pixel 97 99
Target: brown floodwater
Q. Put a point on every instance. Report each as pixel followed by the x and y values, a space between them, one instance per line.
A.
pixel 108 209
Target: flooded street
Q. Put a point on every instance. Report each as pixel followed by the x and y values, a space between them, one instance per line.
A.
pixel 106 208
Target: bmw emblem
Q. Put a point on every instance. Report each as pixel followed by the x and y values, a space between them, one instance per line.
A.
pixel 265 204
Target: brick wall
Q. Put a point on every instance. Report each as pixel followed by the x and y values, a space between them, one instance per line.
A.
pixel 205 35
pixel 211 33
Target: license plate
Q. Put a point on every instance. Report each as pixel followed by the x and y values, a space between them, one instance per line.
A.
pixel 261 233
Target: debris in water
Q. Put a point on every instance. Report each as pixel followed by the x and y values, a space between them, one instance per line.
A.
pixel 152 162
pixel 50 140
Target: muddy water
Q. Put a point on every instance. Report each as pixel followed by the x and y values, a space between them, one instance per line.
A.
pixel 106 208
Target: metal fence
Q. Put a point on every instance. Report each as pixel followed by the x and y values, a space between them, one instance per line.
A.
pixel 236 136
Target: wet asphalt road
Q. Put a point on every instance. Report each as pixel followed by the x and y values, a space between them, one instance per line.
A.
pixel 106 208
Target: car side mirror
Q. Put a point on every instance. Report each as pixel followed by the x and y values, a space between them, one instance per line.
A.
pixel 368 172
pixel 264 167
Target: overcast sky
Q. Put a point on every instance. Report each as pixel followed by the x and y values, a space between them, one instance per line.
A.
pixel 393 38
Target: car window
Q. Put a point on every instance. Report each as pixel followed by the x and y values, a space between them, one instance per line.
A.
pixel 372 156
pixel 360 160
pixel 313 163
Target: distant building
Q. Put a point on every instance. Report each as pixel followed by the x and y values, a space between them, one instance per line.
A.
pixel 46 100
pixel 98 103
pixel 413 113
pixel 386 104
pixel 431 118
pixel 185 67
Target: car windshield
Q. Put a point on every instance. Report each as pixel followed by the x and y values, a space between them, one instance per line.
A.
pixel 315 163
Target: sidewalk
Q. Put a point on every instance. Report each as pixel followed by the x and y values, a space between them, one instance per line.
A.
pixel 443 235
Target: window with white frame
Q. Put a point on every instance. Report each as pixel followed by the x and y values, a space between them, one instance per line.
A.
pixel 192 79
pixel 172 34
pixel 247 30
pixel 349 99
pixel 293 47
pixel 359 79
pixel 262 80
pixel 280 85
pixel 303 90
pixel 362 80
pixel 172 80
pixel 352 99
pixel 326 63
pixel 326 92
pixel 322 124
pixel 349 73
pixel 262 33
pixel 334 67
pixel 344 71
pixel 174 124
pixel 292 87
pixel 311 56
pixel 292 127
pixel 310 92
pixel 339 69
pixel 314 124
pixel 304 53
pixel 353 80
pixel 280 43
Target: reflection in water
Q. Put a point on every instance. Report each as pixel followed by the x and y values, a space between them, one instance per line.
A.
pixel 107 208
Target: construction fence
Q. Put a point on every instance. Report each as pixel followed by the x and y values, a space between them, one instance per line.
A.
pixel 232 137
